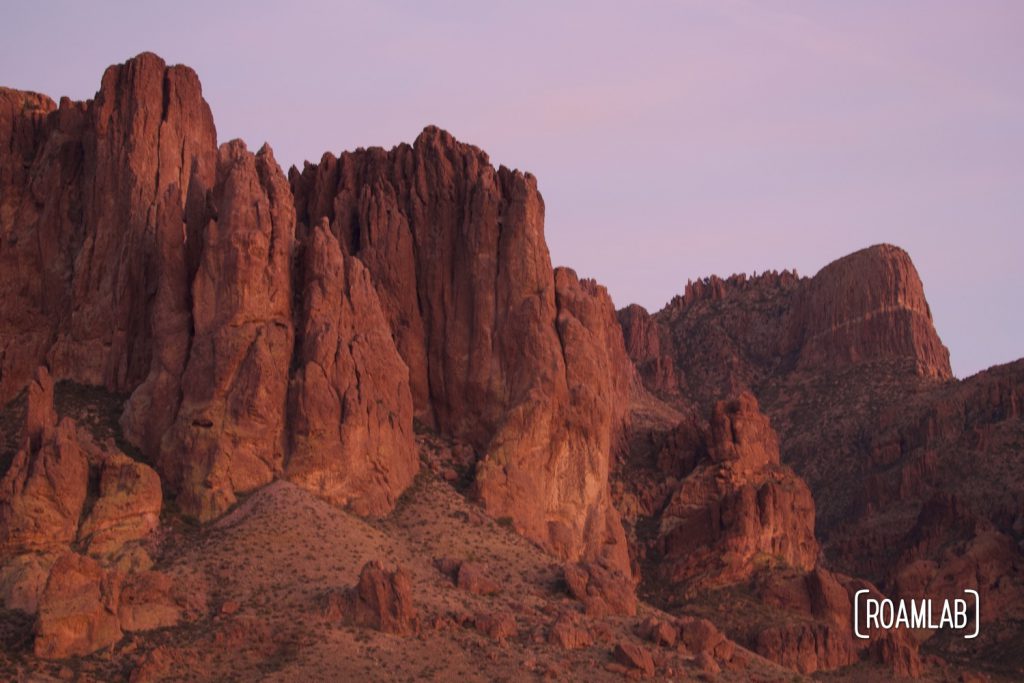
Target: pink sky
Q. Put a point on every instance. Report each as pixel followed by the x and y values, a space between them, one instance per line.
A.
pixel 671 140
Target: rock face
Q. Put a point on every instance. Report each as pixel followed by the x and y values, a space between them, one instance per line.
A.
pixel 139 257
pixel 864 306
pixel 725 336
pixel 95 182
pixel 42 494
pixel 740 505
pixel 230 424
pixel 267 329
pixel 351 429
pixel 456 252
pixel 652 356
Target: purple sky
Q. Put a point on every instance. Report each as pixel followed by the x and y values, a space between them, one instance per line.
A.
pixel 671 140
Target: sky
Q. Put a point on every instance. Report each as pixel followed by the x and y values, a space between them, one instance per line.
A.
pixel 671 140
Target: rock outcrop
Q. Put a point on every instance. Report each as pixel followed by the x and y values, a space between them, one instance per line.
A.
pixel 739 509
pixel 128 507
pixel 351 408
pixel 723 336
pixel 257 342
pixel 44 490
pixel 229 431
pixel 380 600
pixel 84 215
pixel 78 609
pixel 139 257
pixel 266 328
pixel 47 508
pixel 856 381
pixel 86 607
pixel 865 306
pixel 455 249
pixel 568 633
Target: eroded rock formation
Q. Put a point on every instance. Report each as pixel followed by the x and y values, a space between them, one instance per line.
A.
pixel 724 336
pixel 740 505
pixel 351 408
pixel 229 432
pixel 42 494
pixel 455 249
pixel 255 347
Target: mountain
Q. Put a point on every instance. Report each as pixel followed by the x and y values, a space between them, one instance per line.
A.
pixel 348 420
pixel 916 476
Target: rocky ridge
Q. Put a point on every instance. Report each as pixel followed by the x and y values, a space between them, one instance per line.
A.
pixel 243 313
pixel 264 347
pixel 913 472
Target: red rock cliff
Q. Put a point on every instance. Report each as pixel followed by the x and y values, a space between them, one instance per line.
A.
pixel 457 254
pixel 137 256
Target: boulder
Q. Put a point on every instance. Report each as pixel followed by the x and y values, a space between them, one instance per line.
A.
pixel 497 625
pixel 128 507
pixel 658 632
pixel 634 656
pixel 381 600
pixel 147 601
pixel 78 609
pixel 602 590
pixel 568 633
pixel 43 491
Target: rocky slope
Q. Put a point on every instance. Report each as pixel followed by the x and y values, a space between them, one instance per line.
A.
pixel 287 586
